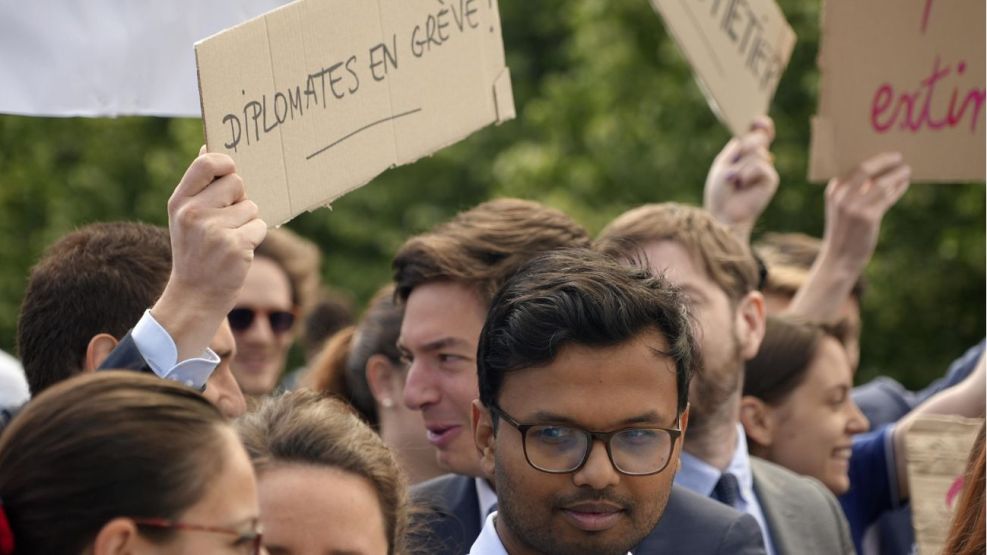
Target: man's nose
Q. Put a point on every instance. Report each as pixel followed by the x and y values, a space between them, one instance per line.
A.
pixel 419 386
pixel 598 472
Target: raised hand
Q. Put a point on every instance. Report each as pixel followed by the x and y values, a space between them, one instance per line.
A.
pixel 214 229
pixel 855 206
pixel 743 179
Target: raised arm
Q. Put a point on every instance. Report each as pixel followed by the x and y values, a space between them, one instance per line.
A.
pixel 855 206
pixel 743 179
pixel 214 230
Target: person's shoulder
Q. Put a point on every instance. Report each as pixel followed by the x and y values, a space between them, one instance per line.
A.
pixel 445 515
pixel 442 488
pixel 696 524
pixel 772 479
pixel 800 511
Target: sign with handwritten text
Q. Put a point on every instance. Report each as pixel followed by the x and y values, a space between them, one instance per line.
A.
pixel 738 50
pixel 316 98
pixel 904 75
pixel 937 448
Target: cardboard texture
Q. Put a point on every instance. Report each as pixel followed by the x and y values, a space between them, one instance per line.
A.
pixel 904 75
pixel 316 98
pixel 937 449
pixel 738 50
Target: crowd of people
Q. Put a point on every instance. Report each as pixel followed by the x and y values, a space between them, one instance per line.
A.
pixel 521 387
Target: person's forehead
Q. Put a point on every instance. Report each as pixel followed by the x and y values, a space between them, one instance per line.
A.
pixel 679 264
pixel 265 286
pixel 441 311
pixel 830 365
pixel 598 387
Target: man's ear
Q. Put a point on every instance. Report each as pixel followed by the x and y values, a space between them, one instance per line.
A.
pixel 759 422
pixel 117 537
pixel 100 347
pixel 483 436
pixel 750 317
pixel 381 378
pixel 683 426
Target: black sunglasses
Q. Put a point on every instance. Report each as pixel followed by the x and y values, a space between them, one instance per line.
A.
pixel 242 318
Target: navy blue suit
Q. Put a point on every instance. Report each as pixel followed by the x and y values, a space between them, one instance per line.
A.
pixel 449 522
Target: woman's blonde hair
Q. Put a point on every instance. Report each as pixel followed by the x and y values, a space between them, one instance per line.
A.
pixel 306 427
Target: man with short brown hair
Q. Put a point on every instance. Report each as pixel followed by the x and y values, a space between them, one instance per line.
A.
pixel 719 275
pixel 447 279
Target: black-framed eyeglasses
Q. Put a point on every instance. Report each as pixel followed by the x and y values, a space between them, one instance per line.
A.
pixel 241 318
pixel 560 449
pixel 250 540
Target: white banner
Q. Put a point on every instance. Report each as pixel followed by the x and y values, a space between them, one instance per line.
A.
pixel 109 57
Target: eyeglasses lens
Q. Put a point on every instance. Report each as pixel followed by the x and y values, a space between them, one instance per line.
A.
pixel 242 318
pixel 563 449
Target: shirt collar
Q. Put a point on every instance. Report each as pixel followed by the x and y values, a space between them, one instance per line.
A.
pixel 699 476
pixel 486 496
pixel 488 542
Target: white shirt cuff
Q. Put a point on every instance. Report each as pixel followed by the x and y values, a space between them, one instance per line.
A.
pixel 159 351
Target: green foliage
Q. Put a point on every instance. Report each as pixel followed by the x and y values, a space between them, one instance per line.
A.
pixel 608 117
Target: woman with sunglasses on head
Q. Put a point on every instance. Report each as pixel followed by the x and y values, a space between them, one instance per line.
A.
pixel 326 481
pixel 282 280
pixel 117 463
pixel 797 412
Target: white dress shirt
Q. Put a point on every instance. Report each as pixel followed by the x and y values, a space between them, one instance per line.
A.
pixel 486 496
pixel 161 354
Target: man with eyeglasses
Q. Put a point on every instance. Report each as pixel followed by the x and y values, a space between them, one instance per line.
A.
pixel 447 279
pixel 583 369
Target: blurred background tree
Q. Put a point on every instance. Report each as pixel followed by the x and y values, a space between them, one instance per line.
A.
pixel 608 117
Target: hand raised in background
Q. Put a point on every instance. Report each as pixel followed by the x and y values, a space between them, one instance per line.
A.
pixel 743 179
pixel 855 206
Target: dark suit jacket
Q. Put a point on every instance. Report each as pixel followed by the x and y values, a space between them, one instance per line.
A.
pixel 694 524
pixel 447 522
pixel 446 518
pixel 126 356
pixel 803 516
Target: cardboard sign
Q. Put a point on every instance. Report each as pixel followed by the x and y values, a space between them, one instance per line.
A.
pixel 316 98
pixel 904 75
pixel 738 50
pixel 937 450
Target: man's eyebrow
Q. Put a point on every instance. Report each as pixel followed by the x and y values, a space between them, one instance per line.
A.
pixel 224 354
pixel 651 417
pixel 437 344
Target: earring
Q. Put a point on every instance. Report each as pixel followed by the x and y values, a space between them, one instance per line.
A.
pixel 386 403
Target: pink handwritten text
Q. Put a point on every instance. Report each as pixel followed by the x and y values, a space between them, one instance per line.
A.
pixel 921 108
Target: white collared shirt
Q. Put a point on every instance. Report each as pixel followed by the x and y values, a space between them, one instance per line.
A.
pixel 488 542
pixel 161 354
pixel 699 476
pixel 486 496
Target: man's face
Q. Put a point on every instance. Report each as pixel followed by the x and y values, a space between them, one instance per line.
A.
pixel 262 349
pixel 439 334
pixel 723 353
pixel 222 389
pixel 594 509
